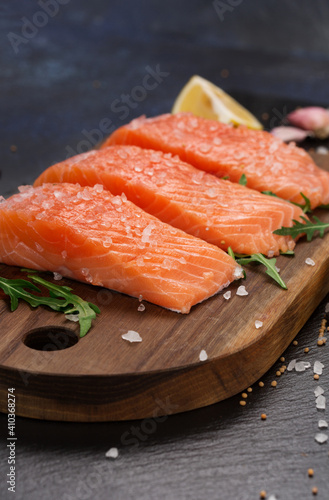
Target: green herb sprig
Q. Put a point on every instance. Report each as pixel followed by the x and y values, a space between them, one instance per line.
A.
pixel 61 299
pixel 308 227
pixel 259 258
pixel 243 180
pixel 307 207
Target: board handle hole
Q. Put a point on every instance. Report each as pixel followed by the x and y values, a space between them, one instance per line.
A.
pixel 50 338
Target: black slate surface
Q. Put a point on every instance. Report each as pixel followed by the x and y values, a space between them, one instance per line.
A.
pixel 54 93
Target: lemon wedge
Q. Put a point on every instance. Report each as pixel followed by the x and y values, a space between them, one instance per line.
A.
pixel 203 98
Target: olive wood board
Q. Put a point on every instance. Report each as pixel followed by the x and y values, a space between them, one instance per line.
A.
pixel 102 377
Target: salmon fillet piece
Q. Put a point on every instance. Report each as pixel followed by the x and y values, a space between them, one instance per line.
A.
pixel 87 234
pixel 216 210
pixel 222 150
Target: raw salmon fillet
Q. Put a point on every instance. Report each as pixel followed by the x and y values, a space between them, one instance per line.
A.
pixel 216 210
pixel 222 150
pixel 90 235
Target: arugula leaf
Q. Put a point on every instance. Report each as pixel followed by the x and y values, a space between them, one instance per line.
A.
pixel 268 263
pixel 61 299
pixel 243 180
pixel 308 228
pixel 287 252
pixel 231 253
pixel 270 193
pixel 226 177
pixel 86 310
pixel 306 207
pixel 243 260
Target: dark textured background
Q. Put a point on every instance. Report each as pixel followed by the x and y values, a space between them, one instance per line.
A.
pixel 56 90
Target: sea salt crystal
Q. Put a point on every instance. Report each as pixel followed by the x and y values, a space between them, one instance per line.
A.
pixel 291 365
pixel 309 262
pixel 112 453
pixel 140 298
pixel 138 168
pixel 57 276
pixel 166 264
pixel 318 366
pixel 301 366
pixel 326 309
pixel 203 356
pixel 323 424
pixel 2 199
pixel 320 402
pixel 258 324
pixel 99 188
pixel 241 291
pixel 117 201
pixel 321 438
pixel 123 197
pixel 321 150
pixel 277 269
pixel 227 295
pixel 72 317
pixel 182 260
pixel 272 497
pixel 64 254
pixel 211 192
pixel 141 308
pixel 132 336
pixel 147 233
pixel 318 391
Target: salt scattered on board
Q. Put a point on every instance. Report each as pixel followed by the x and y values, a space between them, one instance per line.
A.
pixel 291 365
pixel 318 366
pixel 227 295
pixel 301 366
pixel 318 391
pixel 72 317
pixel 203 356
pixel 320 402
pixel 57 276
pixel 321 438
pixel 132 336
pixel 112 453
pixel 258 324
pixel 241 291
pixel 323 424
pixel 141 308
pixel 309 262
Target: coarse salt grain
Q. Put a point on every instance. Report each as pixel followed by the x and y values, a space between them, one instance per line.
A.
pixel 227 295
pixel 112 453
pixel 318 391
pixel 241 291
pixel 301 366
pixel 309 262
pixel 323 424
pixel 272 497
pixel 132 336
pixel 291 365
pixel 321 438
pixel 141 308
pixel 57 276
pixel 258 324
pixel 72 317
pixel 320 402
pixel 203 356
pixel 318 366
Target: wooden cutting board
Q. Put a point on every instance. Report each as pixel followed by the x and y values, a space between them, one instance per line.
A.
pixel 103 377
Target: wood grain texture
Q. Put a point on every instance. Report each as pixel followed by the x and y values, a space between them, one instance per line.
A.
pixel 103 377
